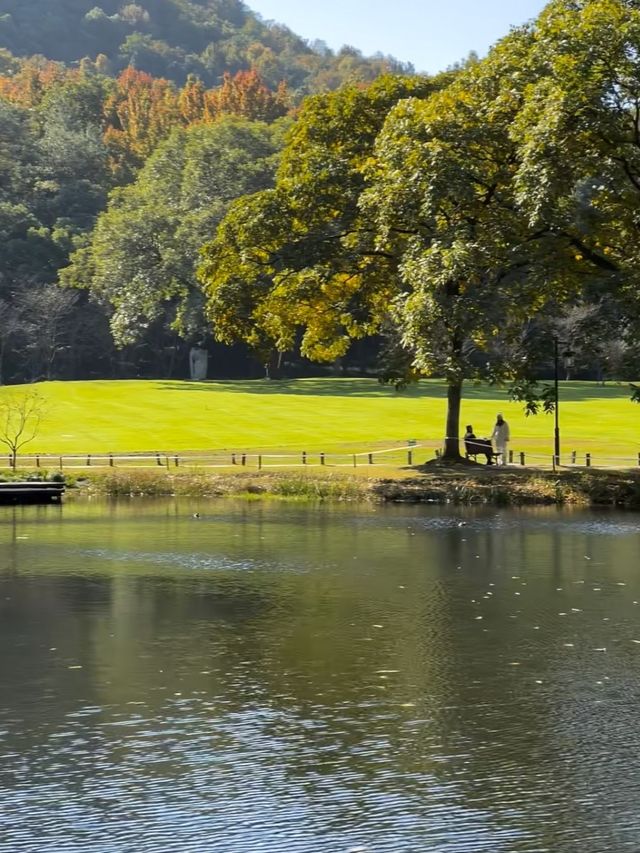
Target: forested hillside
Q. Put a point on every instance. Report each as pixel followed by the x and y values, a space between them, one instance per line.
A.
pixel 144 213
pixel 175 38
pixel 157 115
pixel 72 143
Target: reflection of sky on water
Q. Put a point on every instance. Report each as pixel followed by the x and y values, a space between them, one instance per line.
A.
pixel 570 522
pixel 185 561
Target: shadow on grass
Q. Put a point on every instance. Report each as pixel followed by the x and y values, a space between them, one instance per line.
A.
pixel 310 388
pixel 431 389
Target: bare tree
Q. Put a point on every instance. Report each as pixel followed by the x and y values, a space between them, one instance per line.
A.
pixel 595 334
pixel 20 418
pixel 46 315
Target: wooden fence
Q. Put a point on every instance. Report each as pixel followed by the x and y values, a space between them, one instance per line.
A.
pixel 404 455
pixel 412 453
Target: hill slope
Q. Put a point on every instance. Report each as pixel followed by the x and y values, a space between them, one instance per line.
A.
pixel 173 38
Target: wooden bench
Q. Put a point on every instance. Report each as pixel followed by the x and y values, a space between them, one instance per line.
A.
pixel 475 447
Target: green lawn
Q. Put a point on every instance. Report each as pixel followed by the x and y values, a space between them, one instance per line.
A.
pixel 314 414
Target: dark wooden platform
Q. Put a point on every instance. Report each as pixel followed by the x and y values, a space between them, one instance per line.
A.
pixel 31 493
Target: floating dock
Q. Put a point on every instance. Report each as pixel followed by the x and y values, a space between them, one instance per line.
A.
pixel 31 493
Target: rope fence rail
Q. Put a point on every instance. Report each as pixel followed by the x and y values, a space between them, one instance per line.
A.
pixel 397 455
pixel 411 453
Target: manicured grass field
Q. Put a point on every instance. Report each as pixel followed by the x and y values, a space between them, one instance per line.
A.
pixel 315 414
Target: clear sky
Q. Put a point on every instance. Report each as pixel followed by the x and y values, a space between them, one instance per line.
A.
pixel 432 34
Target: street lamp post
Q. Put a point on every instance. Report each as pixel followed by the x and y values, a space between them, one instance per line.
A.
pixel 567 357
pixel 556 432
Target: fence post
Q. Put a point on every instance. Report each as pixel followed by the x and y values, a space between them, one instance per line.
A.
pixel 37 460
pixel 322 458
pixel 510 456
pixel 111 460
pixel 574 455
pixel 587 459
pixel 259 463
pixel 409 457
pixel 354 460
pixel 244 458
pixel 88 460
pixel 522 458
pixel 233 459
pixel 176 460
pixel 370 458
pixel 304 457
pixel 158 460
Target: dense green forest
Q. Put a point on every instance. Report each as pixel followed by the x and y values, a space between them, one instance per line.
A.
pixel 128 108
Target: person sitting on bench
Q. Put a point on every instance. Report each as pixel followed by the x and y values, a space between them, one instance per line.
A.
pixel 474 446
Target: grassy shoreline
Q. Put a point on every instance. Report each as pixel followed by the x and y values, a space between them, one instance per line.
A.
pixel 432 483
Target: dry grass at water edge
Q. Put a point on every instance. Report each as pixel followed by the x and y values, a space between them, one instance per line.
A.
pixel 447 484
pixel 468 483
pixel 281 485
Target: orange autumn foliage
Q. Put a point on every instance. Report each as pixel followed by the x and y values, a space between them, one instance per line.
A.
pixel 139 114
pixel 139 111
pixel 29 85
pixel 244 94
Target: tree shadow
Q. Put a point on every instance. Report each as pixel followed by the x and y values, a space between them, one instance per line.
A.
pixel 574 391
pixel 310 388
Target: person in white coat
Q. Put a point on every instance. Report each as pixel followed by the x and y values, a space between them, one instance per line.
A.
pixel 500 437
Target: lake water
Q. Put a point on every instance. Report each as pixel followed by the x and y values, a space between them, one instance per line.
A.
pixel 269 678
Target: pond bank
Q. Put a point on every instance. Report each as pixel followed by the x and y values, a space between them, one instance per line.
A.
pixel 432 483
pixel 515 487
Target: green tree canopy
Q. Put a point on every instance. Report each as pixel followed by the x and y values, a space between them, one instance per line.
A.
pixel 409 212
pixel 299 259
pixel 578 138
pixel 142 255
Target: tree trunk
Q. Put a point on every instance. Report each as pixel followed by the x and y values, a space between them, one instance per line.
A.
pixel 452 440
pixel 173 357
pixel 52 350
pixel 273 367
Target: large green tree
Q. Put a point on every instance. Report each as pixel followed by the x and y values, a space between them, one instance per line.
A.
pixel 142 255
pixel 297 263
pixel 472 270
pixel 578 138
pixel 405 215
